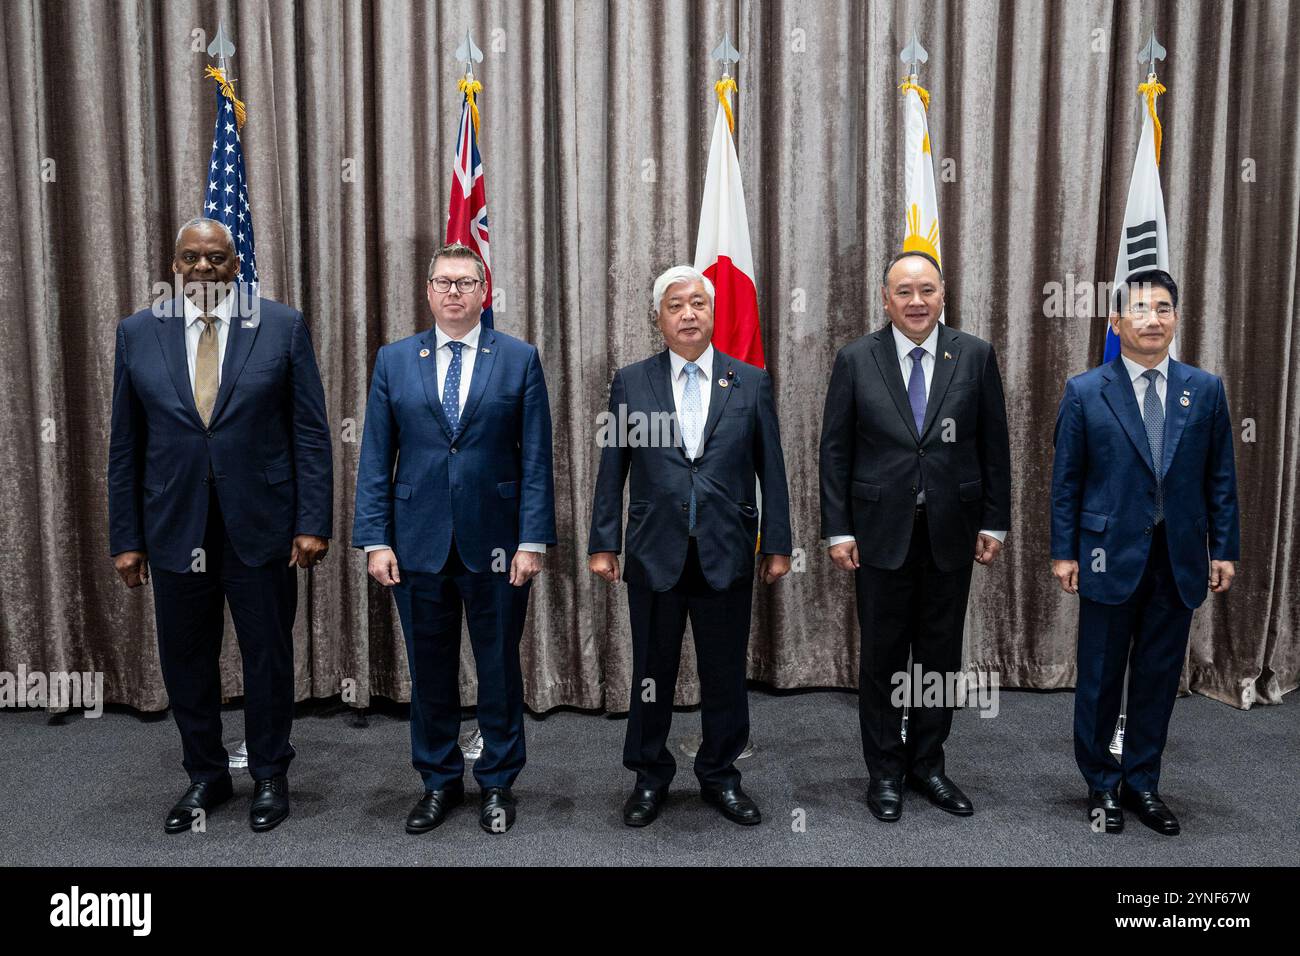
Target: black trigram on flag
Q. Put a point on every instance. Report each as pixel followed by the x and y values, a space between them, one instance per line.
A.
pixel 1139 253
pixel 1140 246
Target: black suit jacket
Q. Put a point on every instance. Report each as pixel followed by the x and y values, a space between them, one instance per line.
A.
pixel 741 443
pixel 873 461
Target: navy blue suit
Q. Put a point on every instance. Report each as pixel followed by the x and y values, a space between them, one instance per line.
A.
pixel 455 511
pixel 1139 580
pixel 673 571
pixel 239 488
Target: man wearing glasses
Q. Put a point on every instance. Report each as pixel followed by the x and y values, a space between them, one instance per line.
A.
pixel 1144 514
pixel 455 507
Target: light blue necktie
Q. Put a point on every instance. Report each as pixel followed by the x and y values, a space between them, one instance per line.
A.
pixel 1153 414
pixel 691 424
pixel 451 388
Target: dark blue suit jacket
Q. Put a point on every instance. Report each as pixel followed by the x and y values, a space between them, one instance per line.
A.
pixel 491 485
pixel 267 445
pixel 1104 484
pixel 741 442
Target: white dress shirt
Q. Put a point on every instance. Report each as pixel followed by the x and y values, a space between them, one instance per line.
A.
pixel 194 328
pixel 903 346
pixel 705 379
pixel 1141 383
pixel 467 355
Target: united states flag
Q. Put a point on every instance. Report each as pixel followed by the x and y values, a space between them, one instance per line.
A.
pixel 226 198
pixel 467 221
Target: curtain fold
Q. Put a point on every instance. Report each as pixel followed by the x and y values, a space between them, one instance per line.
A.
pixel 595 125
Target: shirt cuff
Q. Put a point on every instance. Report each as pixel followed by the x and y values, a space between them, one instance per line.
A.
pixel 833 540
pixel 377 547
pixel 532 546
pixel 1000 536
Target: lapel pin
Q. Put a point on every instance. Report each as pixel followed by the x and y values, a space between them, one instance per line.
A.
pixel 249 323
pixel 1184 401
pixel 424 353
pixel 947 355
pixel 485 350
pixel 723 383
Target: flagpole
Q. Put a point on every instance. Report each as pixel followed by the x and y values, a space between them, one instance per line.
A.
pixel 471 739
pixel 1148 56
pixel 913 55
pixel 725 54
pixel 222 49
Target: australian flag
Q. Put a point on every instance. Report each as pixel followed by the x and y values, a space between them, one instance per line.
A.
pixel 226 197
pixel 467 221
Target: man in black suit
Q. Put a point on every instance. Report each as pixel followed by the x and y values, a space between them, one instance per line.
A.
pixel 220 477
pixel 915 465
pixel 693 524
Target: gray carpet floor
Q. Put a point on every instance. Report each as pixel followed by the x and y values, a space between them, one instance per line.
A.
pixel 93 792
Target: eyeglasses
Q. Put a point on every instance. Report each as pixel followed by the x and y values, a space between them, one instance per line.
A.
pixel 1141 310
pixel 465 285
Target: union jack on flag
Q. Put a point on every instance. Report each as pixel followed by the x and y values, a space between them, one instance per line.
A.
pixel 467 211
pixel 226 197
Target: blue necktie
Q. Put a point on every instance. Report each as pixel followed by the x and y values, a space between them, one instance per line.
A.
pixel 691 424
pixel 916 388
pixel 1153 414
pixel 451 388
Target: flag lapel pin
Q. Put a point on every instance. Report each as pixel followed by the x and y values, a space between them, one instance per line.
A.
pixel 424 353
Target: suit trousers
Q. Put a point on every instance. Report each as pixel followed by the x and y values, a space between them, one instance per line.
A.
pixel 1148 632
pixel 188 608
pixel 915 608
pixel 720 624
pixel 430 606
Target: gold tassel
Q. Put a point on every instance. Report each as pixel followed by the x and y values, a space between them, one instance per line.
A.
pixel 1151 89
pixel 911 84
pixel 471 88
pixel 722 88
pixel 228 91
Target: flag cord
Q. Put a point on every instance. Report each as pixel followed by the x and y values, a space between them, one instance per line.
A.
pixel 1151 89
pixel 471 87
pixel 228 91
pixel 911 84
pixel 722 87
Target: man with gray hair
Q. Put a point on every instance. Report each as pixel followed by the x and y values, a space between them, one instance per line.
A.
pixel 692 531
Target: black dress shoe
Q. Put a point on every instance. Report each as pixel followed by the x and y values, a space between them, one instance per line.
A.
pixel 270 803
pixel 1104 804
pixel 432 808
pixel 643 806
pixel 1150 809
pixel 735 805
pixel 200 796
pixel 497 810
pixel 943 793
pixel 885 798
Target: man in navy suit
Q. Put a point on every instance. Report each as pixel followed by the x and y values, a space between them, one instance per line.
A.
pixel 692 527
pixel 461 524
pixel 220 479
pixel 1144 514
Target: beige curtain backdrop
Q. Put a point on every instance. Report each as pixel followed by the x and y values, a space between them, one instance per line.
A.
pixel 596 118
